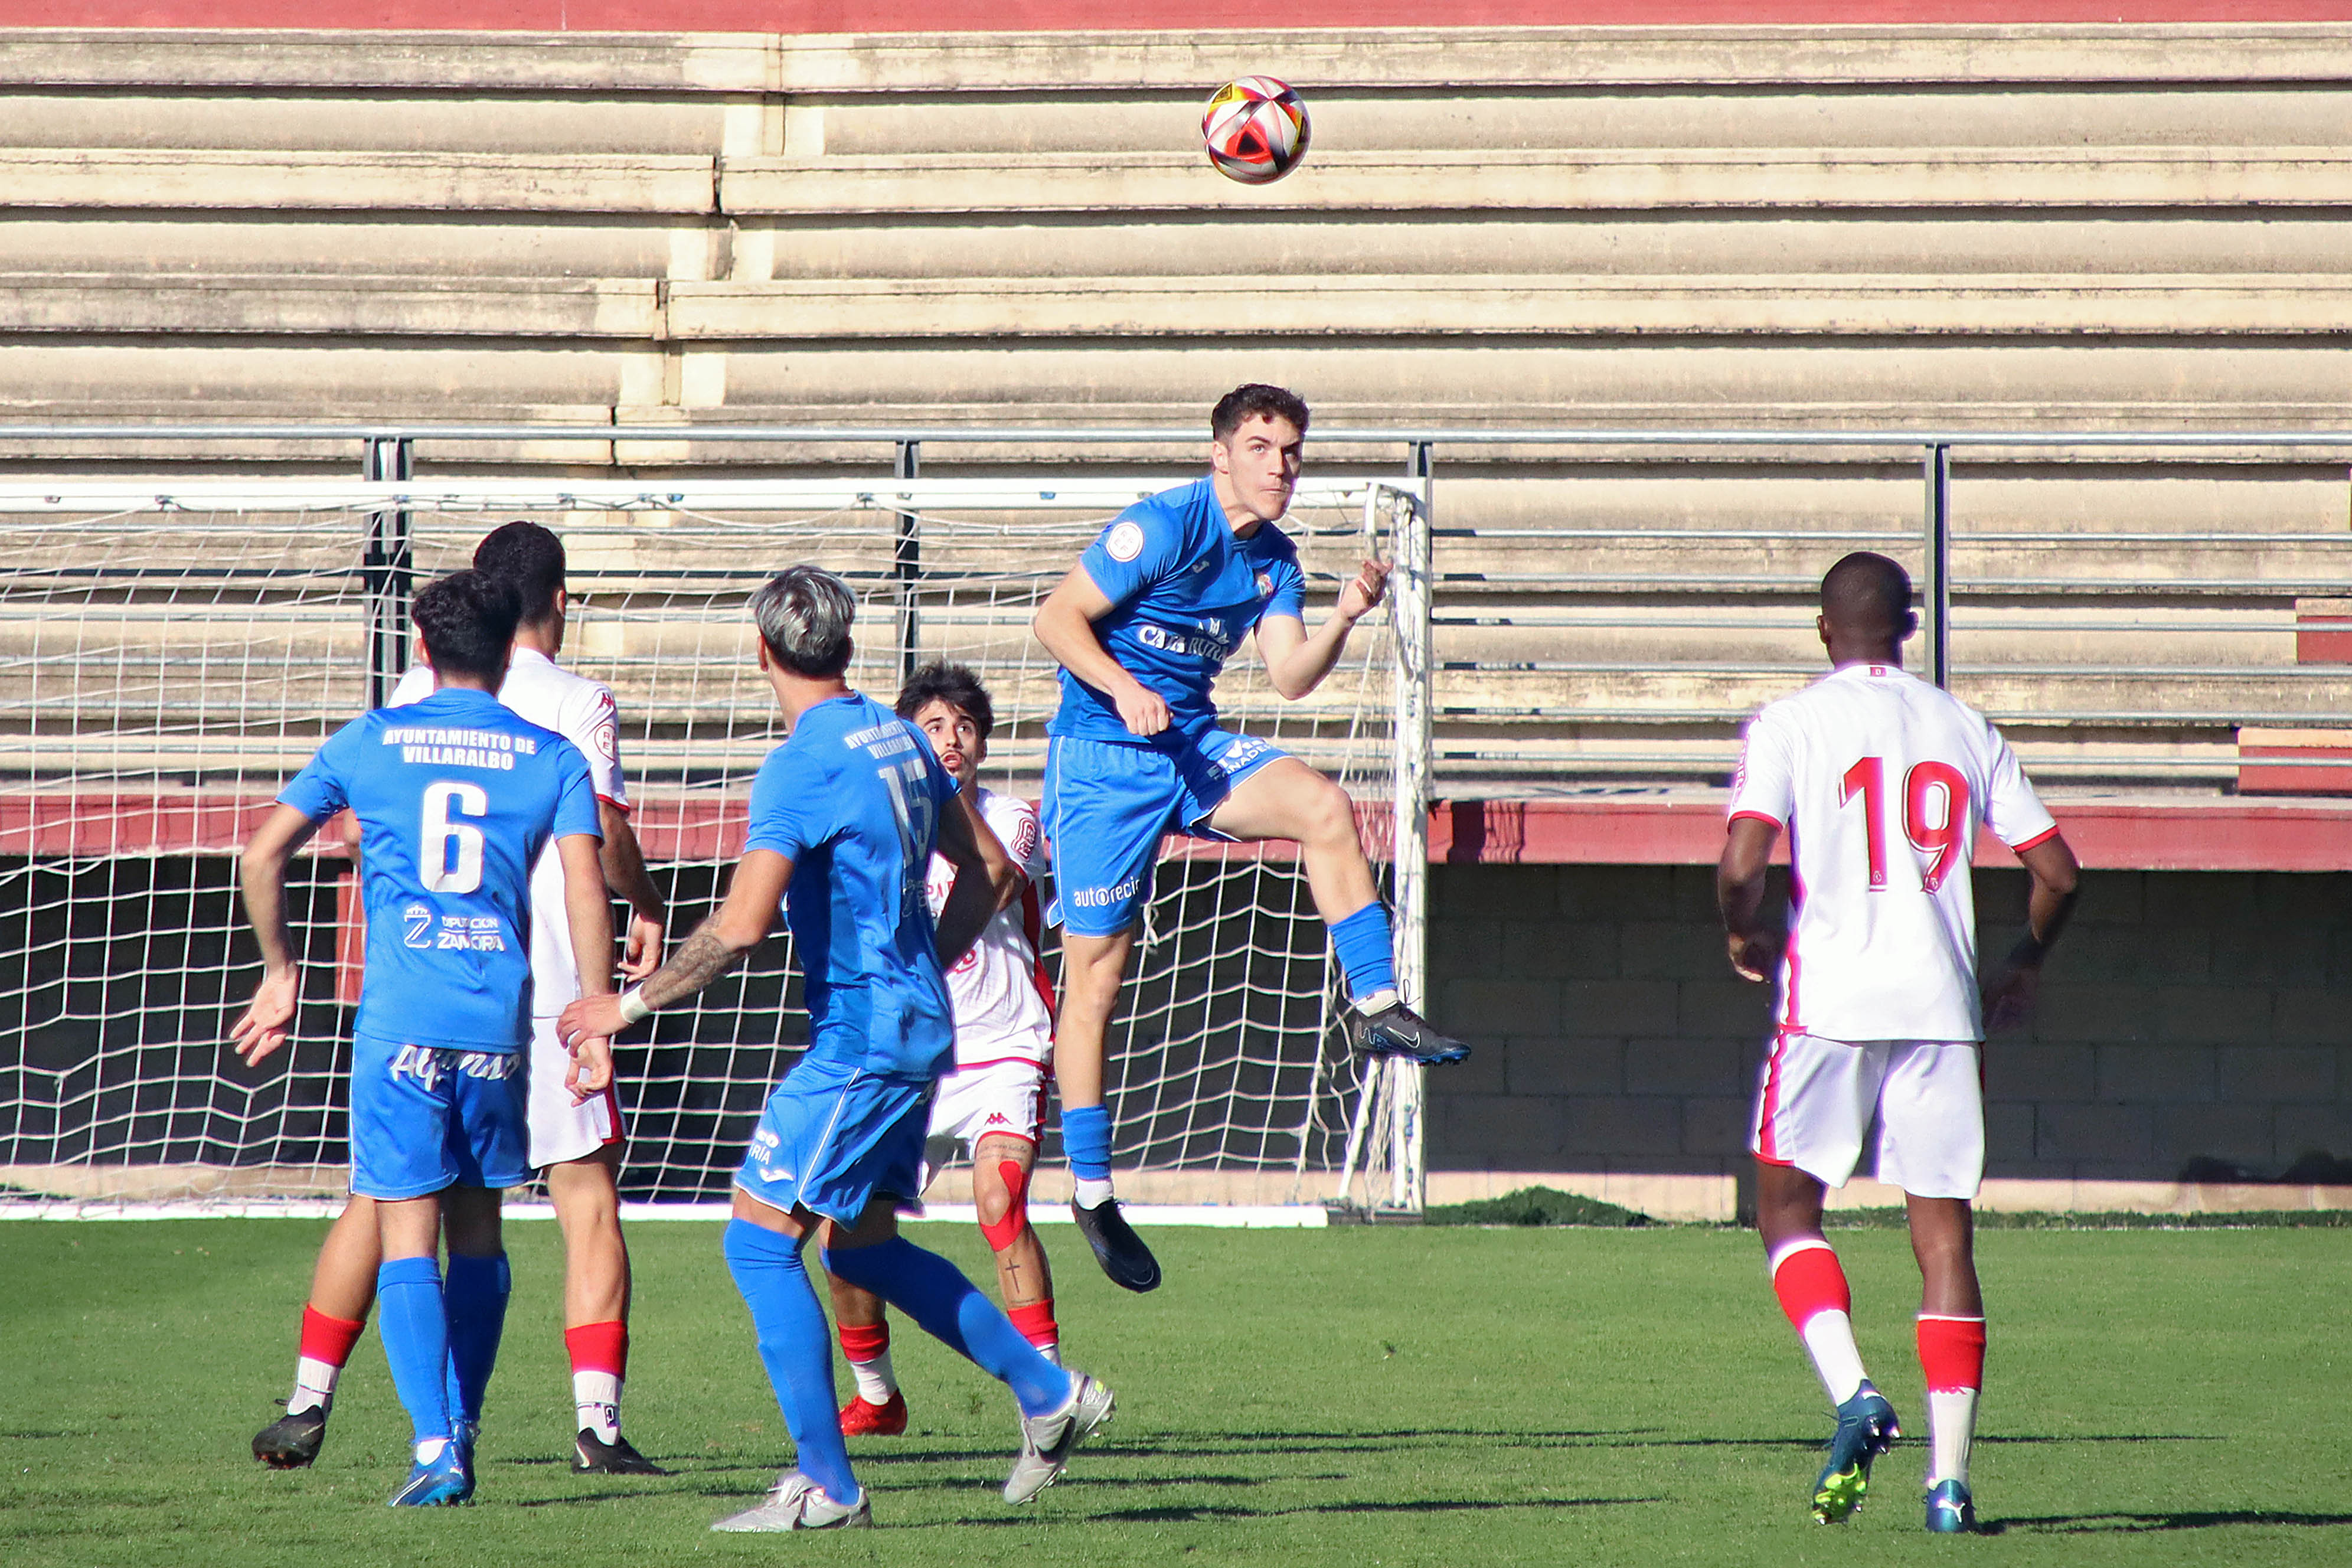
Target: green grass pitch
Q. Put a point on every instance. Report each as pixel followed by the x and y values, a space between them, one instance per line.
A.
pixel 1354 1398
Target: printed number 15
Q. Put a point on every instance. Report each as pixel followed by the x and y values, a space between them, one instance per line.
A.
pixel 1942 837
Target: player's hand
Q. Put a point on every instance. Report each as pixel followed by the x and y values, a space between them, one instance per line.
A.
pixel 1369 587
pixel 2008 1001
pixel 1756 958
pixel 591 1071
pixel 1143 711
pixel 269 1018
pixel 589 1018
pixel 641 950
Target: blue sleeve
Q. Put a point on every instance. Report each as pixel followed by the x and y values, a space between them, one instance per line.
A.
pixel 1289 596
pixel 1143 545
pixel 575 798
pixel 318 791
pixel 787 804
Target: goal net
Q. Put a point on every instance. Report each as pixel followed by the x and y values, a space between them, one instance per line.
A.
pixel 174 651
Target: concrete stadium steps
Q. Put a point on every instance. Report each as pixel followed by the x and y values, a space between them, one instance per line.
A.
pixel 1918 227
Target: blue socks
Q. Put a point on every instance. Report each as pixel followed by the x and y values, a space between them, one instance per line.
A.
pixel 1085 1139
pixel 411 1319
pixel 475 1295
pixel 1367 950
pixel 934 1292
pixel 796 1349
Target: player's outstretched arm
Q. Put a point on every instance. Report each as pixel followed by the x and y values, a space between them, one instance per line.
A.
pixel 262 870
pixel 588 909
pixel 986 880
pixel 714 947
pixel 1739 895
pixel 1296 662
pixel 626 874
pixel 2056 876
pixel 1065 623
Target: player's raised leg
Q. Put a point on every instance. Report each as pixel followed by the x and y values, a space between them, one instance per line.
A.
pixel 1288 799
pixel 1811 1286
pixel 342 1290
pixel 1059 1409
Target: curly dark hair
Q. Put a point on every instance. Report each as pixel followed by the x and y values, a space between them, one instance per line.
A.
pixel 1254 400
pixel 953 684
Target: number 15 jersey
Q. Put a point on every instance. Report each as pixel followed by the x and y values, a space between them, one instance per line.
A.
pixel 456 797
pixel 1881 781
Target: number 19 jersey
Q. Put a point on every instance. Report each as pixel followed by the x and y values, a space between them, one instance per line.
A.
pixel 1881 781
pixel 456 797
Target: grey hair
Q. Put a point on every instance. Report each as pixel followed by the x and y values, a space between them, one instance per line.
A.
pixel 803 613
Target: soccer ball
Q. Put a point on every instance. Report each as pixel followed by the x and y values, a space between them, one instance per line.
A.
pixel 1256 130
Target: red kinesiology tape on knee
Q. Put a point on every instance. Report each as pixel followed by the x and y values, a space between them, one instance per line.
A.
pixel 1811 1281
pixel 864 1342
pixel 1037 1323
pixel 1951 1353
pixel 327 1339
pixel 599 1347
pixel 1016 1209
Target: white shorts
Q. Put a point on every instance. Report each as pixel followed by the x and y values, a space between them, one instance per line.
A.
pixel 560 1131
pixel 1817 1101
pixel 1002 1099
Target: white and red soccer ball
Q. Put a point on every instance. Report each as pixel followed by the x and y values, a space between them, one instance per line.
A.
pixel 1256 130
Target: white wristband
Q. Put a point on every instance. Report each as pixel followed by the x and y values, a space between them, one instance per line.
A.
pixel 633 1005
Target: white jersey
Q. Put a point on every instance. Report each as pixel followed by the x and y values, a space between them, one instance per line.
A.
pixel 582 711
pixel 1001 996
pixel 1881 781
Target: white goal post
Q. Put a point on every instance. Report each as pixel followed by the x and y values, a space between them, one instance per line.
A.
pixel 172 650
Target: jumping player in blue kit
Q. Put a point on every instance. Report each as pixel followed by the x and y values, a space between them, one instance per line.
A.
pixel 846 817
pixel 456 797
pixel 1141 626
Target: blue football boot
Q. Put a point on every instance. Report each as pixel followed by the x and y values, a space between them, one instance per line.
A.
pixel 443 1481
pixel 1865 1428
pixel 1950 1510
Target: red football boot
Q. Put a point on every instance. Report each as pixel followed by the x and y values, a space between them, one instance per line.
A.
pixel 861 1418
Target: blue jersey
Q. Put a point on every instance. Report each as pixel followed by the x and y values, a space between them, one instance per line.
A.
pixel 1184 590
pixel 852 800
pixel 456 797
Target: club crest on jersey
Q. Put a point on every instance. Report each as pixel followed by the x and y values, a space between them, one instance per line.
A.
pixel 1124 542
pixel 417 926
pixel 1266 586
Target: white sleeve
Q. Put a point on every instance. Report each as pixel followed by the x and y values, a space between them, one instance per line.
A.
pixel 2011 809
pixel 1014 823
pixel 1766 784
pixel 592 722
pixel 415 686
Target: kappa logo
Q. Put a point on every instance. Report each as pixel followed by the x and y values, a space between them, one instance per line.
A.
pixel 1124 542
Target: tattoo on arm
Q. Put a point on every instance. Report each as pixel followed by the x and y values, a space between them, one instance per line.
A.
pixel 700 959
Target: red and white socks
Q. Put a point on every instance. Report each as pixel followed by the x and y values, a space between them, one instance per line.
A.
pixel 1036 1324
pixel 326 1345
pixel 600 1363
pixel 1811 1286
pixel 1951 1354
pixel 866 1348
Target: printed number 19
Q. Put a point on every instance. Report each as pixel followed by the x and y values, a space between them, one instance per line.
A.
pixel 1941 839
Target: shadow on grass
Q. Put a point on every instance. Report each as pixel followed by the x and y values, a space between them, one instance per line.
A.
pixel 1179 1513
pixel 2139 1523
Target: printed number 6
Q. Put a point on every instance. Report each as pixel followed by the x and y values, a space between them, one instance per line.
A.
pixel 441 871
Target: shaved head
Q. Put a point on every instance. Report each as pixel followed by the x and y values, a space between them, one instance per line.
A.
pixel 1867 598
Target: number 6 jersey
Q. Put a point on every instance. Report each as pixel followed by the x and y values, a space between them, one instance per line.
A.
pixel 456 797
pixel 1881 780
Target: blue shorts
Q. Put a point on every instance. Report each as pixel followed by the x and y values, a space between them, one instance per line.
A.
pixel 1109 802
pixel 429 1117
pixel 835 1136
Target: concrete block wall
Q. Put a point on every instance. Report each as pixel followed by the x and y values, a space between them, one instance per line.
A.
pixel 2186 1017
